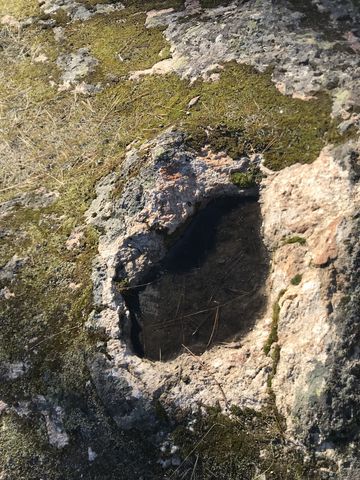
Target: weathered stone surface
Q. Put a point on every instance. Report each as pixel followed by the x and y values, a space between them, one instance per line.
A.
pixel 298 202
pixel 77 11
pixel 76 66
pixel 53 415
pixel 309 326
pixel 39 198
pixel 264 34
pixel 71 380
pixel 163 195
pixel 13 266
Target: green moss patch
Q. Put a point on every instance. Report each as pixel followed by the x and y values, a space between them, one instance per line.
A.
pixel 296 280
pixel 273 335
pixel 294 239
pixel 154 4
pixel 120 42
pixel 259 119
pixel 249 179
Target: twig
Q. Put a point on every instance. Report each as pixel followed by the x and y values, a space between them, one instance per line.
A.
pixel 193 450
pixel 54 335
pixel 205 310
pixel 216 321
pixel 194 469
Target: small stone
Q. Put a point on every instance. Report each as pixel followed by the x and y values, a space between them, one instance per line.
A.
pixel 6 294
pixel 91 454
pixel 3 407
pixel 193 101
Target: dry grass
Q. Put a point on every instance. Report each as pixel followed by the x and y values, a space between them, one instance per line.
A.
pixel 19 8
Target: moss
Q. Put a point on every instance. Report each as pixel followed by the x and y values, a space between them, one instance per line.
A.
pixel 122 285
pixel 26 80
pixel 154 4
pixel 249 179
pixel 271 125
pixel 344 301
pixel 259 119
pixel 294 239
pixel 275 357
pixel 296 280
pixel 273 335
pixel 246 444
pixel 119 41
pixel 161 413
pixel 214 3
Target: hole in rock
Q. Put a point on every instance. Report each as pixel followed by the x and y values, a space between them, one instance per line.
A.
pixel 209 288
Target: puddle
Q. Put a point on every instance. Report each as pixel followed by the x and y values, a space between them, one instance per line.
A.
pixel 209 287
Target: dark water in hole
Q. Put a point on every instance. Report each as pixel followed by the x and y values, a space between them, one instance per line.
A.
pixel 209 287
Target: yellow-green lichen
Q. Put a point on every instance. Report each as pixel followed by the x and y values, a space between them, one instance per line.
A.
pixel 294 239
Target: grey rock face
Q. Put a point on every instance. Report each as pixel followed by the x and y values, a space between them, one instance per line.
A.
pixel 76 66
pixel 76 10
pixel 265 34
pixel 39 198
pixel 13 266
pixel 53 415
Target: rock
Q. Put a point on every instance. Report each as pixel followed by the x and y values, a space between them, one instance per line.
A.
pixel 193 101
pixel 3 407
pixel 53 415
pixel 91 454
pixel 75 67
pixel 10 21
pixel 301 353
pixel 39 198
pixel 13 266
pixel 6 294
pixel 353 121
pixel 77 11
pixel 12 371
pixel 251 33
pixel 308 330
pixel 75 238
pixel 171 180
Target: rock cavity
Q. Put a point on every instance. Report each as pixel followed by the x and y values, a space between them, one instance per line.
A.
pixel 207 288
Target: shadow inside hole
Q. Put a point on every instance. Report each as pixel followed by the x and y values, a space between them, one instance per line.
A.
pixel 208 289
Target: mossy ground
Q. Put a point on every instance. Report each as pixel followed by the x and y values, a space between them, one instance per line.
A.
pixel 66 142
pixel 213 3
pixel 245 445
